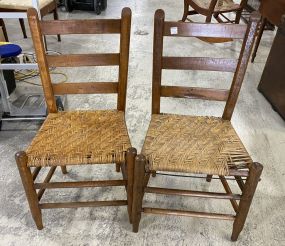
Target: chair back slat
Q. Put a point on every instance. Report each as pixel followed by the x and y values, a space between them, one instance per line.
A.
pixel 182 29
pixel 85 88
pixel 199 63
pixel 178 29
pixel 53 27
pixel 107 26
pixel 194 93
pixel 77 60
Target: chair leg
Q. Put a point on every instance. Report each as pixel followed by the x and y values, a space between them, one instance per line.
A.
pixel 131 155
pixel 258 39
pixel 63 169
pixel 138 192
pixel 186 9
pixel 27 180
pixel 246 199
pixel 238 15
pixel 55 16
pixel 209 18
pixel 118 167
pixel 209 178
pixel 22 24
pixel 2 23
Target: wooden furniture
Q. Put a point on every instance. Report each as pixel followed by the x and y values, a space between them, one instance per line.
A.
pixel 45 6
pixel 216 8
pixel 271 11
pixel 79 137
pixel 272 83
pixel 195 144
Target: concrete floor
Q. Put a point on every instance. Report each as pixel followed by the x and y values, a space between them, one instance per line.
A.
pixel 260 128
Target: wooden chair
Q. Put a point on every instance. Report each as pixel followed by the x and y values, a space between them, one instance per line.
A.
pixel 196 144
pixel 79 137
pixel 46 7
pixel 214 8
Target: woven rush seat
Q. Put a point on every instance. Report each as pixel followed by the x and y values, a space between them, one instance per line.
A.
pixel 80 137
pixel 193 144
pixel 22 4
pixel 222 5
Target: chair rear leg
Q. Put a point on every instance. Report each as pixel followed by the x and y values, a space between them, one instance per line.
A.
pixel 246 199
pixel 138 191
pixel 55 16
pixel 131 155
pixel 2 23
pixel 22 24
pixel 27 180
pixel 186 10
pixel 63 169
pixel 238 15
pixel 209 178
pixel 118 167
pixel 258 39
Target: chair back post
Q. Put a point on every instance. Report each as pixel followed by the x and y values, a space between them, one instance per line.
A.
pixel 157 59
pixel 41 59
pixel 124 57
pixel 241 66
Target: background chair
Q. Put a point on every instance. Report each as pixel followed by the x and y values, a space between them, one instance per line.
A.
pixel 45 6
pixel 79 137
pixel 196 144
pixel 216 8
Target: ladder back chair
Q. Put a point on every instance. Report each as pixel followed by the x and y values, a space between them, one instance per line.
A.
pixel 216 8
pixel 79 137
pixel 197 144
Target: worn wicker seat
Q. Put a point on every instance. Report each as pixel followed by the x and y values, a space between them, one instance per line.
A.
pixel 45 7
pixel 214 8
pixel 80 137
pixel 198 145
pixel 221 5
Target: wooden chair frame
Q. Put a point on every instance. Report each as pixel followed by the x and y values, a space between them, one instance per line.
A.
pixel 50 8
pixel 211 11
pixel 142 173
pixel 107 26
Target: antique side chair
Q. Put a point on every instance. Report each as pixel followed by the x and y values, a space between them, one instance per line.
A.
pixel 45 6
pixel 79 137
pixel 216 8
pixel 197 144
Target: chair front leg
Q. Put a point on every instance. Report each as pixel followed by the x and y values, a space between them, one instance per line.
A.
pixel 55 17
pixel 186 10
pixel 27 180
pixel 131 155
pixel 63 169
pixel 22 24
pixel 246 199
pixel 138 190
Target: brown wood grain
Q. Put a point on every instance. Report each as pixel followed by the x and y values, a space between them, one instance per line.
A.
pixel 85 88
pixel 205 30
pixel 124 57
pixel 194 92
pixel 96 26
pixel 199 63
pixel 188 213
pixel 77 60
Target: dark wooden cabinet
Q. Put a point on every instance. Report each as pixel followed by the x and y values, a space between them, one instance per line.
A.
pixel 272 83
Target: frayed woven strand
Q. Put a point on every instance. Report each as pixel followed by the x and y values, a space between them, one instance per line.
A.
pixel 80 137
pixel 193 144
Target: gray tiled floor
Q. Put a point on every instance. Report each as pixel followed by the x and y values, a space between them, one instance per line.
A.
pixel 260 128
